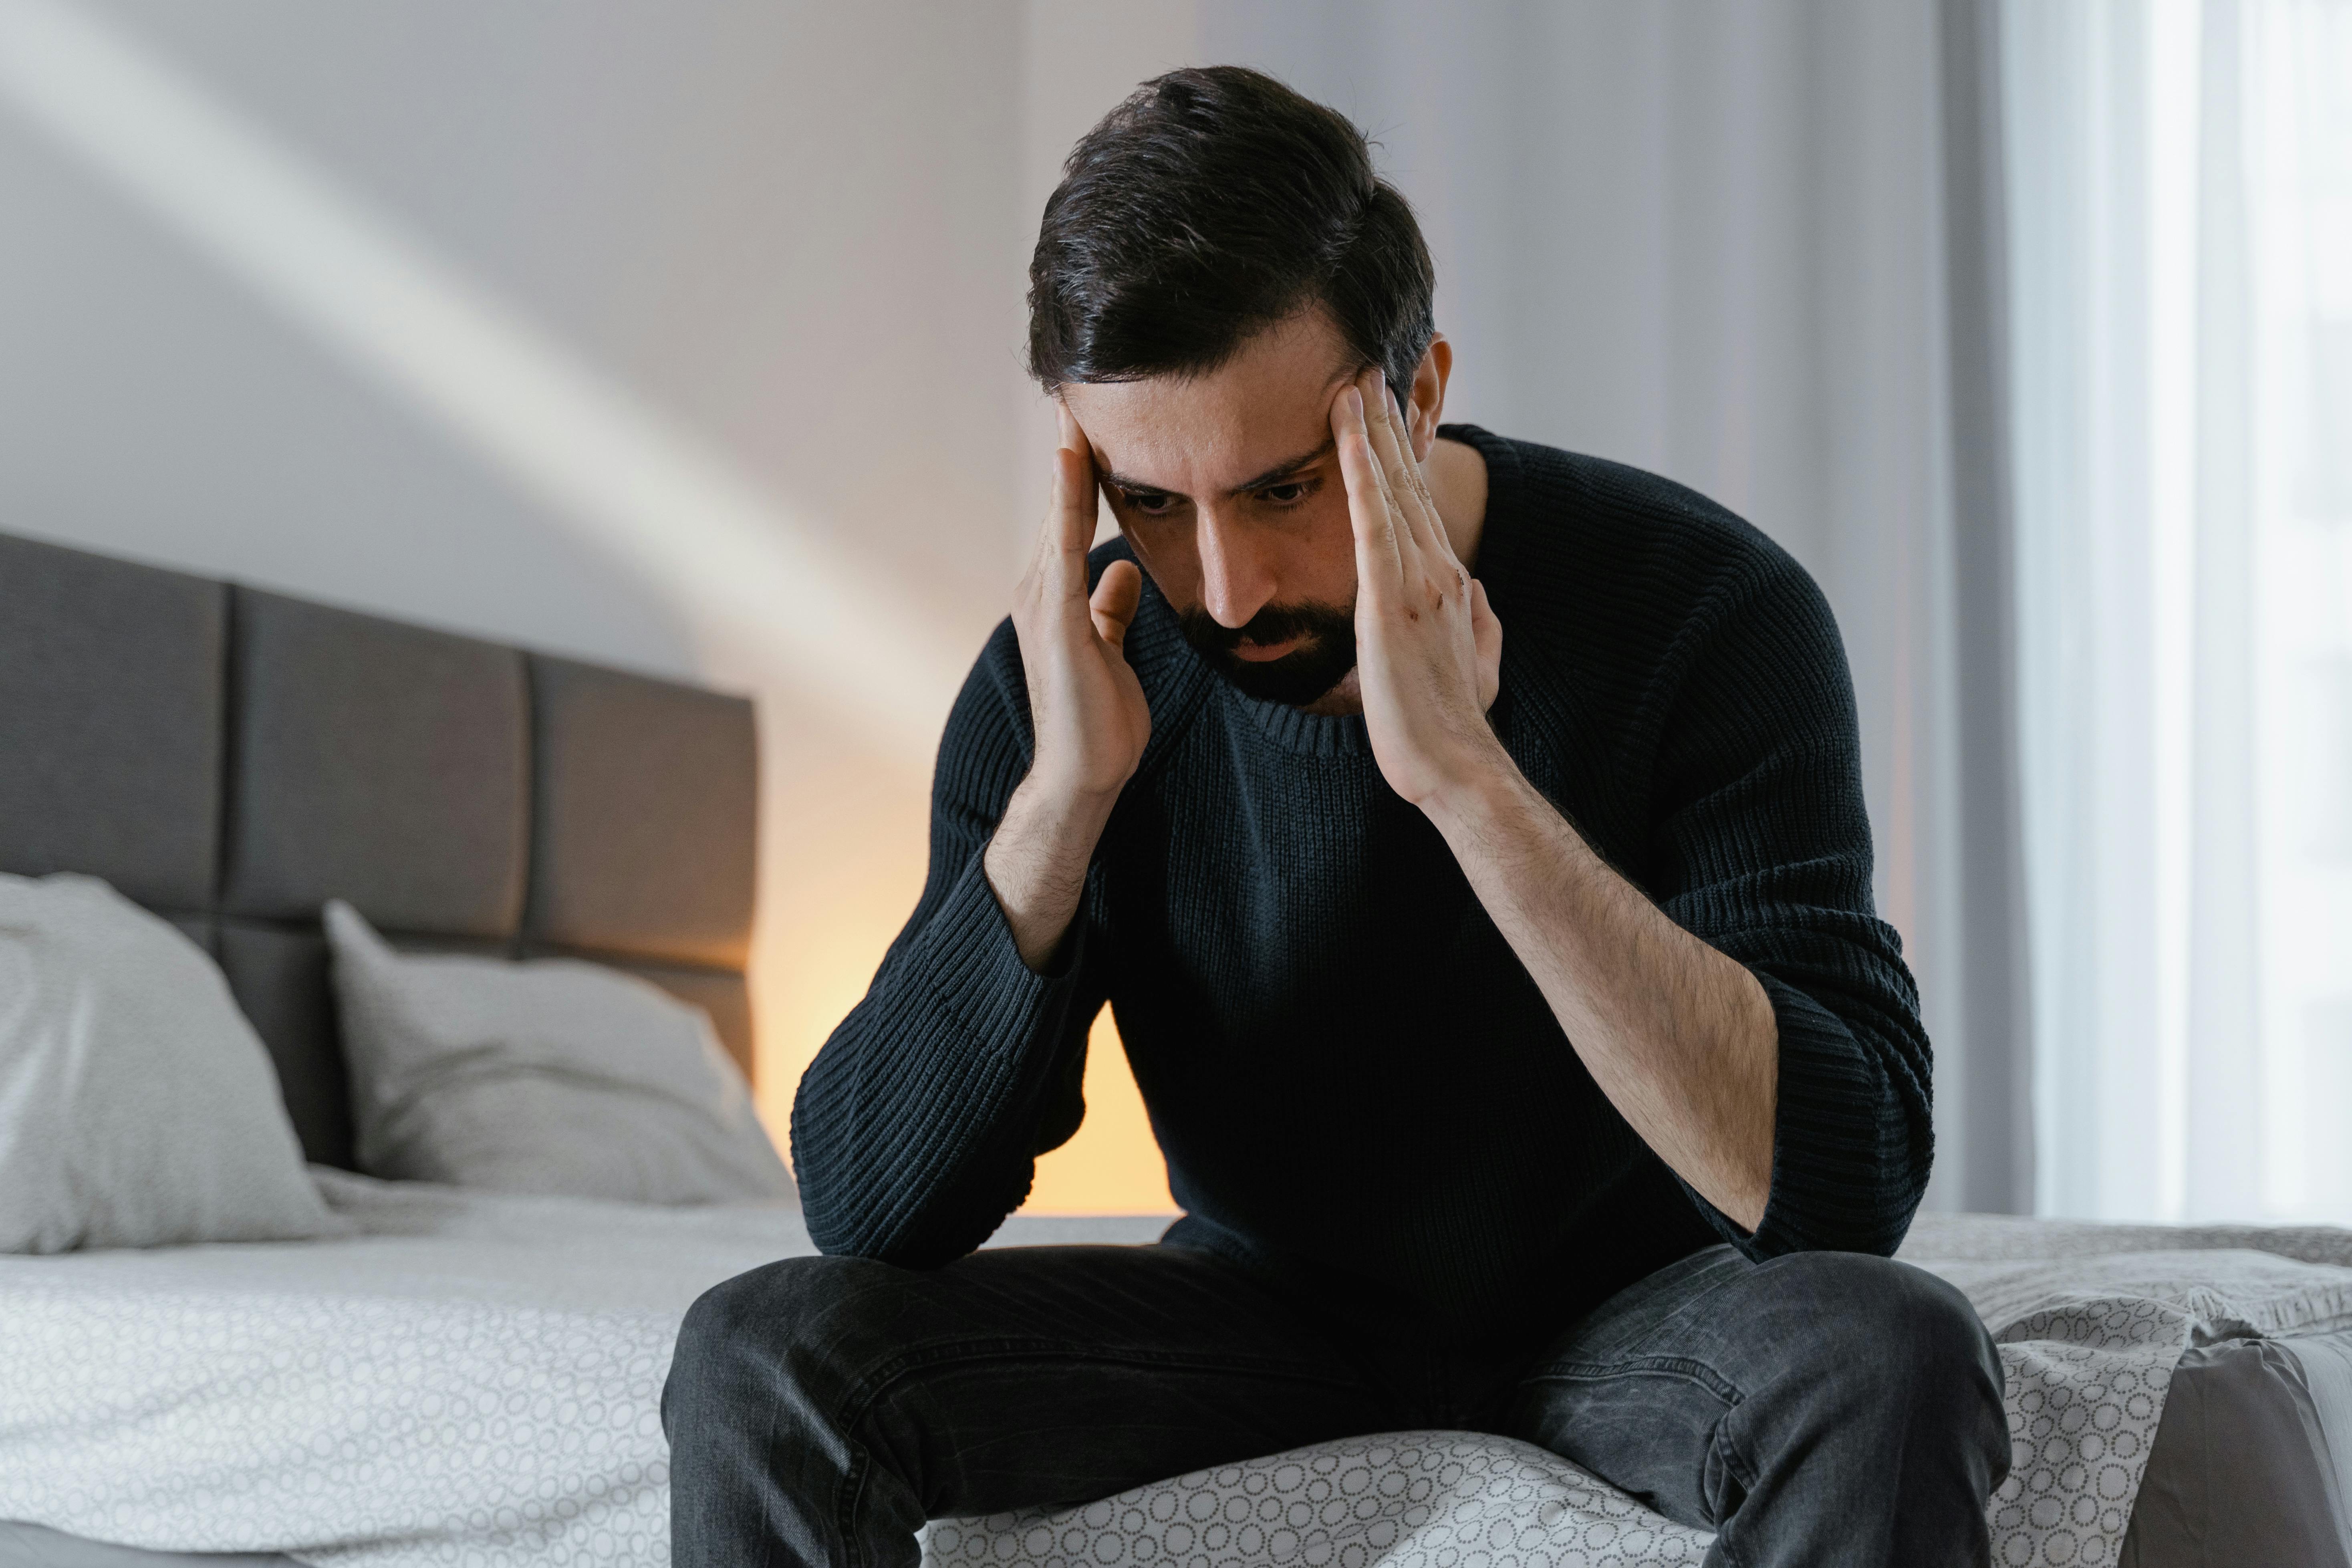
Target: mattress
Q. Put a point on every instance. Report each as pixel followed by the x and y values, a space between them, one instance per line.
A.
pixel 2252 1459
pixel 474 1378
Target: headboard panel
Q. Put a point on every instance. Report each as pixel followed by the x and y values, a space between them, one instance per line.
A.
pixel 232 758
pixel 378 762
pixel 641 814
pixel 111 724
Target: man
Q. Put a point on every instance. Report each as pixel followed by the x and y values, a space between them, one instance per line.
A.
pixel 1510 1009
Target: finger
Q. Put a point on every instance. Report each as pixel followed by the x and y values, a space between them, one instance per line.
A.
pixel 1066 429
pixel 1438 541
pixel 1403 474
pixel 1485 626
pixel 1425 566
pixel 1378 571
pixel 1049 531
pixel 1408 547
pixel 1115 601
pixel 1486 637
pixel 1412 481
pixel 1070 522
pixel 1076 502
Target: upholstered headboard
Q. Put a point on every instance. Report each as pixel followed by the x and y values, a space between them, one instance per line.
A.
pixel 232 759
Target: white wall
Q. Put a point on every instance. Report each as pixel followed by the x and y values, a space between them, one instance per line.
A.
pixel 794 230
pixel 796 235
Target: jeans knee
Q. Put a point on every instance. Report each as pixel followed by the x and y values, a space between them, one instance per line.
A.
pixel 1900 1332
pixel 786 1323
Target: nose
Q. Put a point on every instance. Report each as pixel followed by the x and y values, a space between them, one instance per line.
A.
pixel 1237 577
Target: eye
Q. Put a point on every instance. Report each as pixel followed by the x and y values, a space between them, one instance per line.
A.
pixel 1148 503
pixel 1287 495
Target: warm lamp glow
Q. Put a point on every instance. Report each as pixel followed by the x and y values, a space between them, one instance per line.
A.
pixel 1113 1166
pixel 842 853
pixel 843 845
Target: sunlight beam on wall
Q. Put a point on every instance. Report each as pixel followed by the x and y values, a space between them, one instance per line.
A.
pixel 749 576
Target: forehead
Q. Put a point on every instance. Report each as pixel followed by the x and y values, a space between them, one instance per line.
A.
pixel 1203 435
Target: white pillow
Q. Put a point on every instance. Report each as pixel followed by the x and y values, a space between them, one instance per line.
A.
pixel 545 1076
pixel 137 1106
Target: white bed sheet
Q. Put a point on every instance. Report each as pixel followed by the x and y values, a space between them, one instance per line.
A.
pixel 476 1380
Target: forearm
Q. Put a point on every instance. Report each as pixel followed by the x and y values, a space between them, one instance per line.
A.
pixel 915 1130
pixel 1681 1039
pixel 1037 862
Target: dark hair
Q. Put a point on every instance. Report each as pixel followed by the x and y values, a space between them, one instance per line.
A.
pixel 1214 202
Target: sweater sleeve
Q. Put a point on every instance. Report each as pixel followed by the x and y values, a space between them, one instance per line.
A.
pixel 916 1130
pixel 1762 850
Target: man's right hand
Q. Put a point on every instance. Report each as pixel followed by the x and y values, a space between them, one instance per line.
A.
pixel 1086 710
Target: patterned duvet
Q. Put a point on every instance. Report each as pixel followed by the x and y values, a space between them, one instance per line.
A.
pixel 475 1382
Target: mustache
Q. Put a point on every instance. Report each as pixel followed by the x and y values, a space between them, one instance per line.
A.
pixel 1327 650
pixel 1274 624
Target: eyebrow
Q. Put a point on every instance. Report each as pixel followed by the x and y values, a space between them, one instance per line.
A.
pixel 1280 473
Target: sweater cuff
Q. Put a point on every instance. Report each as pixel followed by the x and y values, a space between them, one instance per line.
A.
pixel 1828 1186
pixel 974 969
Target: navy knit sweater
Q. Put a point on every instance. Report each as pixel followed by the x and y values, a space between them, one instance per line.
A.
pixel 1360 1091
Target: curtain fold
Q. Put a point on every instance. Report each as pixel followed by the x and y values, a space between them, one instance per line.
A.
pixel 2180 253
pixel 1994 1085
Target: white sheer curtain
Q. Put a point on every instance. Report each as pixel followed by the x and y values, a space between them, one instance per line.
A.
pixel 2181 260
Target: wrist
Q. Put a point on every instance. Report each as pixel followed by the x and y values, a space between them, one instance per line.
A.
pixel 1480 787
pixel 1036 864
pixel 1056 806
pixel 1038 855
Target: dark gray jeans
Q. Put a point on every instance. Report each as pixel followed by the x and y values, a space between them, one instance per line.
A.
pixel 1823 1409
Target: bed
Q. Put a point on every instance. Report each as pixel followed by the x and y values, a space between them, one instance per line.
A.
pixel 471 1378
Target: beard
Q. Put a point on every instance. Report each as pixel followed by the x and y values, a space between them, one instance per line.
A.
pixel 1297 677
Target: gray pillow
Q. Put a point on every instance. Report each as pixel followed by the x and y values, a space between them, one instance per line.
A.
pixel 546 1075
pixel 137 1106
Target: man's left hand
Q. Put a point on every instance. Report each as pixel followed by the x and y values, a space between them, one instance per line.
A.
pixel 1428 647
pixel 1682 1040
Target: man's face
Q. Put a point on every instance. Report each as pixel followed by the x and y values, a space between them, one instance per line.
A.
pixel 1228 488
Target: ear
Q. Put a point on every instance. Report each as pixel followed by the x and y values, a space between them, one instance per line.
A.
pixel 1426 401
